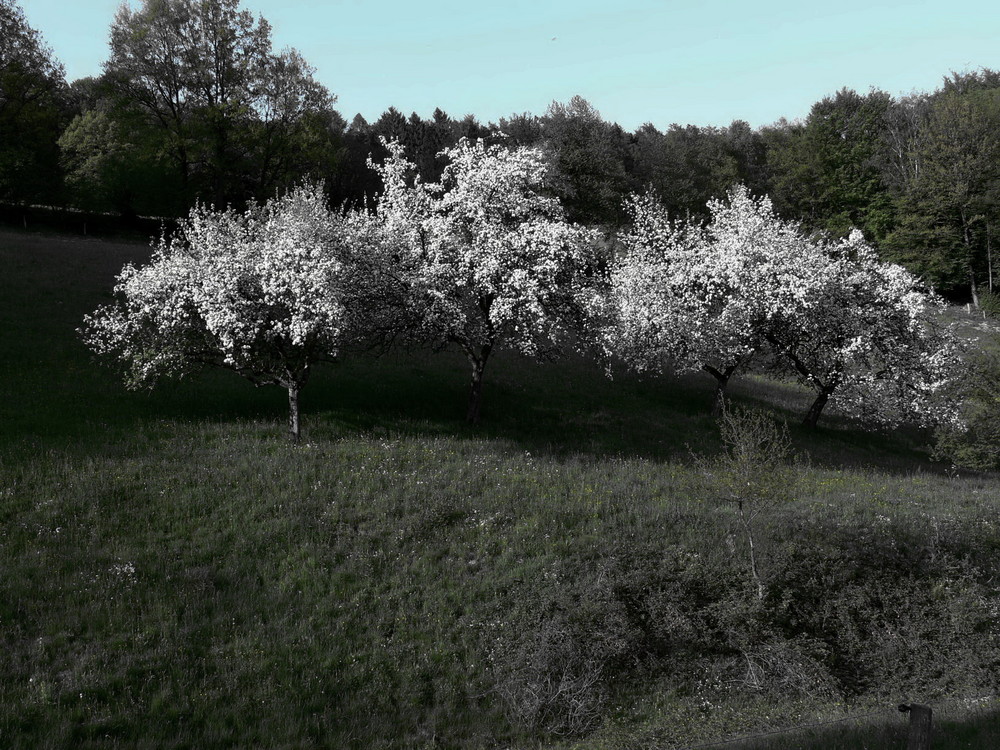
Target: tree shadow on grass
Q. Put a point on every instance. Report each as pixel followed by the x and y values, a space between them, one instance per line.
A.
pixel 571 407
pixel 58 396
pixel 64 398
pixel 976 729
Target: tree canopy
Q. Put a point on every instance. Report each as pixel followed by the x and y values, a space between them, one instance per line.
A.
pixel 260 292
pixel 491 260
pixel 235 119
pixel 855 329
pixel 32 110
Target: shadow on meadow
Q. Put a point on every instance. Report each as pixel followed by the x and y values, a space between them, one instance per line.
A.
pixel 177 534
pixel 58 395
pixel 973 729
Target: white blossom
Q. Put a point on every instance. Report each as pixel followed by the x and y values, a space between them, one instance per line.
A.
pixel 490 259
pixel 258 292
pixel 857 330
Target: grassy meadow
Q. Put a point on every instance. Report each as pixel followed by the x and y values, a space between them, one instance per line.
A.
pixel 176 573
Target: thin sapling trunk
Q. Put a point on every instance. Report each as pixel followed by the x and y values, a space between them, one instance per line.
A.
pixel 747 521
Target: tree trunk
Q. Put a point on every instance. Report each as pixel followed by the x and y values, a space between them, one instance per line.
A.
pixel 478 363
pixel 812 416
pixel 989 258
pixel 753 555
pixel 722 380
pixel 967 239
pixel 293 413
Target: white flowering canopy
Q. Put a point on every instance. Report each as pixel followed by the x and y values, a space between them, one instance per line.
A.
pixel 857 330
pixel 696 297
pixel 258 292
pixel 869 340
pixel 491 259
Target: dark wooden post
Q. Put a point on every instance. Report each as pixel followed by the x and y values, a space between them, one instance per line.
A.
pixel 920 726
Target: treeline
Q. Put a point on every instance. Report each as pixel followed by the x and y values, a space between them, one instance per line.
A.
pixel 194 104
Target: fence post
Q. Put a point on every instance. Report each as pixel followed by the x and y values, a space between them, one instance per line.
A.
pixel 920 726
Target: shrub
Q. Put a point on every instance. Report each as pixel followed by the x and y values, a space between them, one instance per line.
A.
pixel 551 654
pixel 976 444
pixel 989 303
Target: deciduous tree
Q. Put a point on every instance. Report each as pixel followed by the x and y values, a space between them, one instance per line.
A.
pixel 234 116
pixel 865 336
pixel 261 293
pixel 950 204
pixel 492 262
pixel 857 330
pixel 700 298
pixel 589 154
pixel 827 171
pixel 32 110
pixel 109 167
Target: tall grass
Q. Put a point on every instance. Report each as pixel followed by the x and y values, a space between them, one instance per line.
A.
pixel 177 574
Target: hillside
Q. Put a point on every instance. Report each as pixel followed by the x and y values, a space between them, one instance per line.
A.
pixel 178 574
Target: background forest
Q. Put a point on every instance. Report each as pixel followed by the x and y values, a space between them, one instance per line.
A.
pixel 194 104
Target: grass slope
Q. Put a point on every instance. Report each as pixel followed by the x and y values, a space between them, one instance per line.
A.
pixel 175 574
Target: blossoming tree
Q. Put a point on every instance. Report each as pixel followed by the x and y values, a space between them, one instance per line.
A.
pixel 700 298
pixel 492 262
pixel 857 330
pixel 260 293
pixel 867 338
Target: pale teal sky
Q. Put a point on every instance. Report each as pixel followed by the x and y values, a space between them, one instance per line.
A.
pixel 704 62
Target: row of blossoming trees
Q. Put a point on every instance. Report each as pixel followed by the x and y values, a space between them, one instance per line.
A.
pixel 485 259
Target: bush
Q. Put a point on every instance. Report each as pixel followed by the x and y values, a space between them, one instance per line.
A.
pixel 552 653
pixel 989 303
pixel 897 616
pixel 976 445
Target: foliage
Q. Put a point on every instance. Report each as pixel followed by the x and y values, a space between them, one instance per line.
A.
pixel 827 171
pixel 110 167
pixel 867 339
pixel 686 167
pixel 975 443
pixel 949 202
pixel 260 293
pixel 490 260
pixel 236 119
pixel 697 298
pixel 989 301
pixel 32 108
pixel 856 329
pixel 589 175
